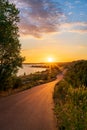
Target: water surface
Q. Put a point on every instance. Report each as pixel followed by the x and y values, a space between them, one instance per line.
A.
pixel 28 69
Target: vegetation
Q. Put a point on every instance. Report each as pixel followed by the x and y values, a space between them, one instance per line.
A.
pixel 10 59
pixel 32 80
pixel 40 77
pixel 77 73
pixel 70 96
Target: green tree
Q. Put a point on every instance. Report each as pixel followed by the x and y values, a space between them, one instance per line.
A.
pixel 10 58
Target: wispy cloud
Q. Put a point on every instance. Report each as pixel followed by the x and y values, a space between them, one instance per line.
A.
pixel 77 27
pixel 77 1
pixel 39 16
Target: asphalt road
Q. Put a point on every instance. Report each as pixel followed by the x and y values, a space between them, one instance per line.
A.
pixel 29 110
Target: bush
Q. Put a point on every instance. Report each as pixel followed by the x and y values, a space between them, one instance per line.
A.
pixel 70 96
pixel 17 82
pixel 72 114
pixel 77 73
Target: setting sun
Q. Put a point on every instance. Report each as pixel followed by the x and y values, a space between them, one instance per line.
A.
pixel 50 59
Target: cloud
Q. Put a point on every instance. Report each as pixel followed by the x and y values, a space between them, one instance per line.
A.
pixel 77 27
pixel 77 1
pixel 69 5
pixel 39 16
pixel 70 13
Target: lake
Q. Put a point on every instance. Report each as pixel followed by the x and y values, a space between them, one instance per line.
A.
pixel 28 69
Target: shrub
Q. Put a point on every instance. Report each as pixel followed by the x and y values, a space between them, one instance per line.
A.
pixel 17 82
pixel 77 73
pixel 71 107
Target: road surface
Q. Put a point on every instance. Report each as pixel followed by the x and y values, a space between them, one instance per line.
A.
pixel 29 110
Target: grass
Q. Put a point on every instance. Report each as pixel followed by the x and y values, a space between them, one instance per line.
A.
pixel 71 107
pixel 70 98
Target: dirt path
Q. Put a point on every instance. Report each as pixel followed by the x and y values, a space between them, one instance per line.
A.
pixel 29 110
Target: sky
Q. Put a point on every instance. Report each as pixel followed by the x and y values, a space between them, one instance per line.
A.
pixel 53 28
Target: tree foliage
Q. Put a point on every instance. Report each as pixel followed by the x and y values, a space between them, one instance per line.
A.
pixel 10 58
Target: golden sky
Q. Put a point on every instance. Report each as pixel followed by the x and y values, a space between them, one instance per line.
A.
pixel 53 28
pixel 64 46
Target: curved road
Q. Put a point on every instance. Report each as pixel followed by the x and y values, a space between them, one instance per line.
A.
pixel 29 110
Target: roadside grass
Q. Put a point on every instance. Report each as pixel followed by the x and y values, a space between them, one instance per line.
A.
pixel 70 107
pixel 70 99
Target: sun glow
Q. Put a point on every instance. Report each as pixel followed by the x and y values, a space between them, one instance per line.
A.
pixel 50 59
